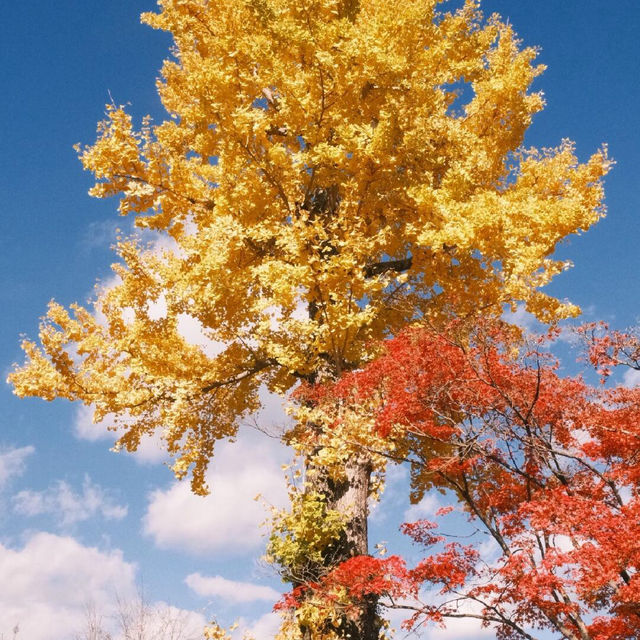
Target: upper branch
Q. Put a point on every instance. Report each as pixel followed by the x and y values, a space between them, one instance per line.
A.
pixel 378 268
pixel 257 368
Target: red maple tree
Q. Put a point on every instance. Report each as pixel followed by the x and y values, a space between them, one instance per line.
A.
pixel 547 465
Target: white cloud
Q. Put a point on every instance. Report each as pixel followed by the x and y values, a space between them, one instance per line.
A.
pixel 229 520
pixel 52 584
pixel 426 508
pixel 531 325
pixel 154 621
pixel 69 507
pixel 193 332
pixel 12 463
pixel 100 234
pixel 157 309
pixel 231 591
pixel 189 328
pixel 523 319
pixel 394 492
pixel 631 378
pixel 489 550
pixel 47 584
pixel 458 628
pixel 454 629
pixel 85 429
pixel 271 418
pixel 564 543
pixel 396 617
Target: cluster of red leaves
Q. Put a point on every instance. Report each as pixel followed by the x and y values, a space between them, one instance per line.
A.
pixel 548 465
pixel 350 583
pixel 293 598
pixel 607 349
pixel 364 575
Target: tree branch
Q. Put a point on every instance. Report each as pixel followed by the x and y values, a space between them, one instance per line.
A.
pixel 257 367
pixel 378 268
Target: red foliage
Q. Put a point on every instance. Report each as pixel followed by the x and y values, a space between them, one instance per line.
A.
pixel 365 575
pixel 451 568
pixel 422 532
pixel 548 465
pixel 607 349
pixel 292 599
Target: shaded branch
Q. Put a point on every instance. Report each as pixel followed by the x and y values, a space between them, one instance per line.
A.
pixel 257 368
pixel 377 268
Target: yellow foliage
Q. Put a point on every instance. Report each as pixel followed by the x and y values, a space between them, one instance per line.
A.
pixel 323 184
pixel 213 631
pixel 302 537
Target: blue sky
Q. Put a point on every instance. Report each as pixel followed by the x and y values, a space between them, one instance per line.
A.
pixel 75 514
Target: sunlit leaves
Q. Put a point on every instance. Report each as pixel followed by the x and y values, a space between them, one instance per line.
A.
pixel 330 171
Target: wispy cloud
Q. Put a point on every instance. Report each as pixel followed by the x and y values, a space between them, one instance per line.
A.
pixel 101 234
pixel 631 378
pixel 68 506
pixel 13 462
pixel 426 508
pixel 231 591
pixel 263 628
pixel 151 449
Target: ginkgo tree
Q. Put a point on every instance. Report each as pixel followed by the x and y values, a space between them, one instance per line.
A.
pixel 329 172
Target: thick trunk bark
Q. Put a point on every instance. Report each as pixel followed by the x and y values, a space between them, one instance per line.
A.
pixel 348 496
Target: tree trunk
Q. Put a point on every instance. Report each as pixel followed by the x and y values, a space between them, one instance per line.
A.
pixel 349 497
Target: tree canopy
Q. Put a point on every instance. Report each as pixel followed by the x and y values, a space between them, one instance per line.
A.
pixel 329 171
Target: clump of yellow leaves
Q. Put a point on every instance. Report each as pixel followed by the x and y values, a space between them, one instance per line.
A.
pixel 324 180
pixel 302 537
pixel 332 431
pixel 213 631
